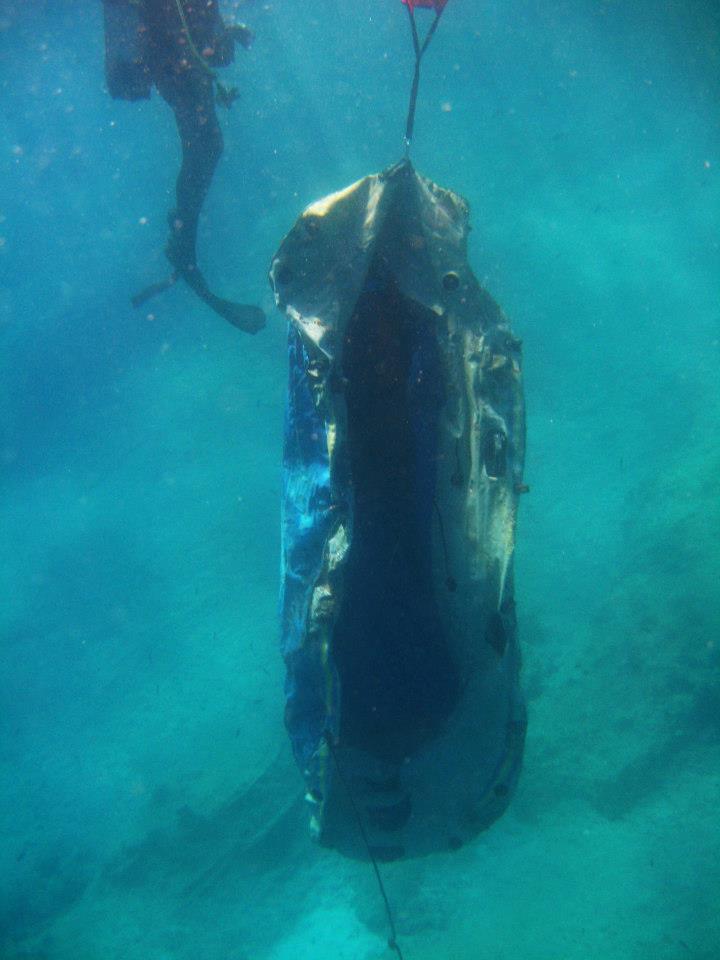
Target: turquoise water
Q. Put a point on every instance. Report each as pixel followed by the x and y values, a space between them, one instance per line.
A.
pixel 147 802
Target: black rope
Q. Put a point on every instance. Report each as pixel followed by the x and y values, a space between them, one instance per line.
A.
pixel 419 51
pixel 392 940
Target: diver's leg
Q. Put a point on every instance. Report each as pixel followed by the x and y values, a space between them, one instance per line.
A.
pixel 202 146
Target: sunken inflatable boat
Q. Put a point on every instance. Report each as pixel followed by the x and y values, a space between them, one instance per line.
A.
pixel 402 471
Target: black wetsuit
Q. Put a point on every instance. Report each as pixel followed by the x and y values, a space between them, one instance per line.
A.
pixel 175 45
pixel 187 87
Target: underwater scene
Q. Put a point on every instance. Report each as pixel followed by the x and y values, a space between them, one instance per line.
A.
pixel 360 526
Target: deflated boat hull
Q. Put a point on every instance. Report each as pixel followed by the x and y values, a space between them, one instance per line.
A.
pixel 403 467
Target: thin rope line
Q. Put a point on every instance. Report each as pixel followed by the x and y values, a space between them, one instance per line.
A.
pixel 419 51
pixel 392 942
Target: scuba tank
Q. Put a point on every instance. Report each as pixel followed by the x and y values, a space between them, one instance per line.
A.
pixel 127 72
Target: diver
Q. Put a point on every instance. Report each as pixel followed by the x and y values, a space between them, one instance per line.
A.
pixel 175 46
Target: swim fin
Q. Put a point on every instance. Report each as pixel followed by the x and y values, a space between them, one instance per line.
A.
pixel 244 316
pixel 147 293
